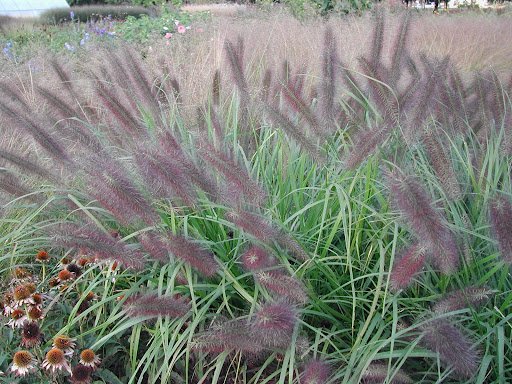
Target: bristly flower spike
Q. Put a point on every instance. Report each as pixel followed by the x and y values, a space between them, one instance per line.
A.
pixel 151 306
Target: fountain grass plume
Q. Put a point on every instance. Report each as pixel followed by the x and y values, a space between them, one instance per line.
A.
pixel 102 245
pixel 315 372
pixel 454 348
pixel 410 262
pixel 273 324
pixel 441 163
pixel 40 134
pixel 283 286
pixel 199 258
pixel 428 224
pixel 500 217
pixel 227 336
pixel 377 373
pixel 151 305
pixel 110 183
pixel 462 298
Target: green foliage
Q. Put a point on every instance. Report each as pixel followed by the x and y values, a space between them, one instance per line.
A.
pixel 318 203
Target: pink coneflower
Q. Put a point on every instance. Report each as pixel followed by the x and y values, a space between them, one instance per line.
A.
pixel 23 363
pixel 22 295
pixel 64 275
pixel 81 374
pixel 181 29
pixel 18 317
pixel 31 335
pixel 89 359
pixel 168 35
pixel 42 256
pixel 35 313
pixel 55 361
pixel 65 344
pixel 8 304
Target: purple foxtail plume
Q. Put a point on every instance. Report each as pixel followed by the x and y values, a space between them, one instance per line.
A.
pixel 328 86
pixel 283 286
pixel 463 298
pixel 378 373
pixel 174 152
pixel 442 164
pixel 377 40
pixel 427 223
pixel 240 185
pixel 287 241
pixel 453 347
pixel 46 140
pixel 366 142
pixel 9 91
pixel 253 224
pixel 155 246
pixel 292 94
pixel 235 59
pixel 199 258
pixel 409 264
pixel 383 96
pixel 139 81
pixel 500 215
pixel 293 131
pixel 315 372
pixel 151 305
pixel 13 186
pixel 127 121
pixel 273 324
pixel 266 85
pixel 28 165
pixel 163 177
pixel 109 183
pixel 257 258
pixel 399 51
pixel 102 245
pixel 228 336
pixel 216 88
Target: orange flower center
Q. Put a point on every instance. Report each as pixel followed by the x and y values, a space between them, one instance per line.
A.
pixel 55 356
pixel 21 292
pixel 22 358
pixel 87 355
pixel 62 342
pixel 38 299
pixel 17 314
pixel 31 287
pixel 42 256
pixel 21 273
pixel 35 313
pixel 64 275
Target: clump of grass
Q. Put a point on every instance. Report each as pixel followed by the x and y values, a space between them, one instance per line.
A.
pixel 257 242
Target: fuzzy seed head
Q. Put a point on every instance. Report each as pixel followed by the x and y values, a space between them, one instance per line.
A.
pixel 30 335
pixel 23 358
pixel 274 324
pixel 81 374
pixel 55 356
pixel 21 292
pixel 256 258
pixel 63 342
pixel 34 313
pixel 315 372
pixel 17 314
pixel 64 275
pixel 453 347
pixel 42 256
